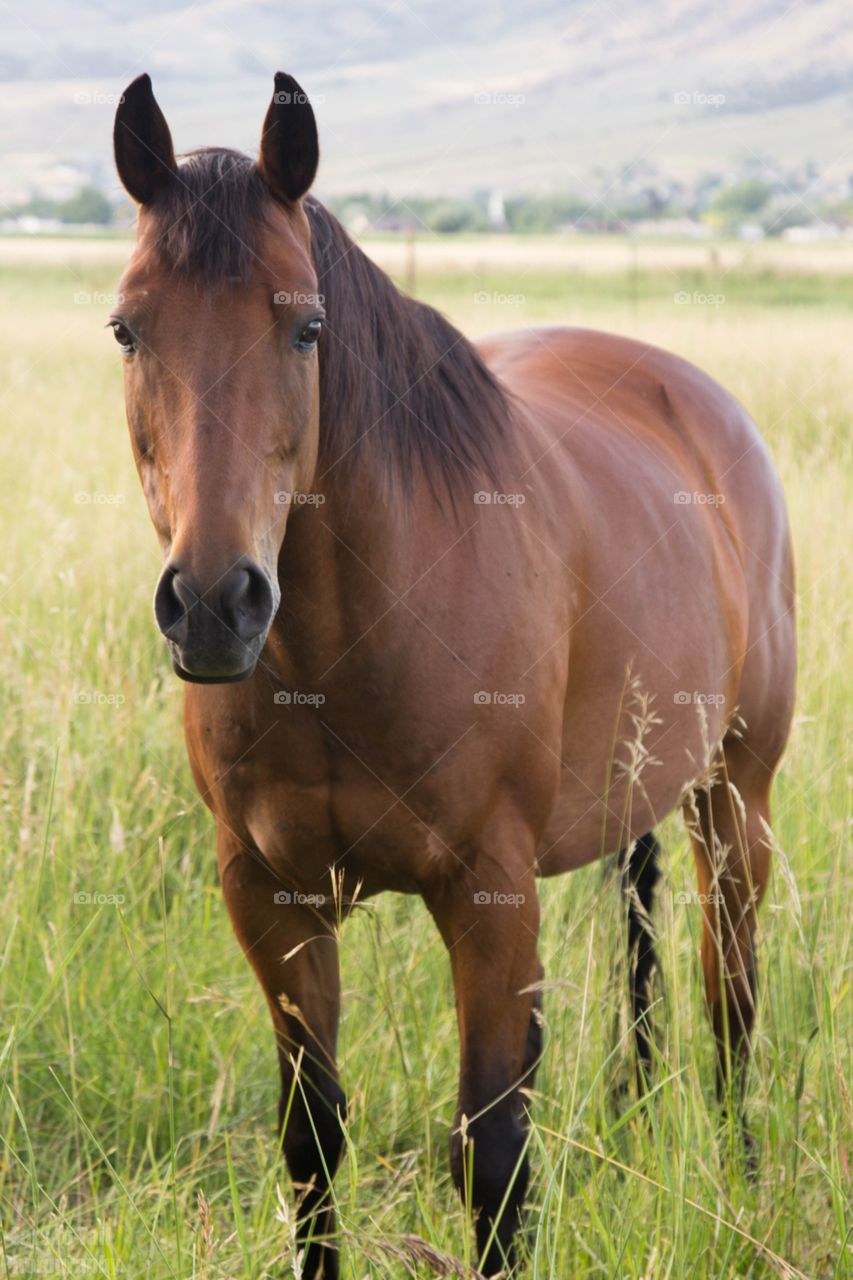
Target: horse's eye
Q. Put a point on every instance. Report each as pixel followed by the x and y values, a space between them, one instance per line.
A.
pixel 308 337
pixel 123 336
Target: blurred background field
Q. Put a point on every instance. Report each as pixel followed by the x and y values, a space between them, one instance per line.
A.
pixel 139 1084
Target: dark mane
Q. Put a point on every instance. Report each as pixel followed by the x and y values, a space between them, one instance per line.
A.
pixel 400 387
pixel 397 380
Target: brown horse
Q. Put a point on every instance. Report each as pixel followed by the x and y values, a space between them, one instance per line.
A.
pixel 453 617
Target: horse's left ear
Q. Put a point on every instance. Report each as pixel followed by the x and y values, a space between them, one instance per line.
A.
pixel 289 148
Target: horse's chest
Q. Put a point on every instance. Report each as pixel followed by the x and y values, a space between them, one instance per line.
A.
pixel 307 813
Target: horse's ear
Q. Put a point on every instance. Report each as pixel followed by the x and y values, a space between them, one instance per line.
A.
pixel 145 157
pixel 289 148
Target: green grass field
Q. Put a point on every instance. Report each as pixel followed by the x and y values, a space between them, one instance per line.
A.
pixel 139 1086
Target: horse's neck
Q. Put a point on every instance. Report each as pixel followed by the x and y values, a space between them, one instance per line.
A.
pixel 346 560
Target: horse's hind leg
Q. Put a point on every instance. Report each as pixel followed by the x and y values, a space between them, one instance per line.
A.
pixel 639 865
pixel 728 826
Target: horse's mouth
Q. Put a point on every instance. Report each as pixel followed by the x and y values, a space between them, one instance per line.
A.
pixel 191 678
pixel 207 671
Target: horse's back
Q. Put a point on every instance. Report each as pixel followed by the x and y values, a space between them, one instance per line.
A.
pixel 602 378
pixel 583 388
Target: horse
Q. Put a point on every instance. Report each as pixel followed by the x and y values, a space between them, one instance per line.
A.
pixel 451 617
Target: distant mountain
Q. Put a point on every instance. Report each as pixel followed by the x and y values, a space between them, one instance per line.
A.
pixel 442 97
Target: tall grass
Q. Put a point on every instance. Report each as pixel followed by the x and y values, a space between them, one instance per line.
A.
pixel 139 1085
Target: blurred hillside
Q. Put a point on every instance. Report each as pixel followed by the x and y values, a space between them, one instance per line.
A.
pixel 662 105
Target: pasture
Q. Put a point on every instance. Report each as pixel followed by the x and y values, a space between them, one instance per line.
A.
pixel 139 1096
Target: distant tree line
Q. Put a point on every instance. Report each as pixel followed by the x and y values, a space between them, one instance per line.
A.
pixel 721 206
pixel 88 205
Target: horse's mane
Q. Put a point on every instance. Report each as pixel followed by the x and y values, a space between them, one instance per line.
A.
pixel 400 388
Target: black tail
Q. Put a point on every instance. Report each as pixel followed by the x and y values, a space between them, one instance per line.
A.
pixel 640 874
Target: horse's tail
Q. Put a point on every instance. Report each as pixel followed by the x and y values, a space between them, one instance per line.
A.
pixel 639 865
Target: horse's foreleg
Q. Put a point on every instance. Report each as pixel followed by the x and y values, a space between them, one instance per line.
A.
pixel 294 952
pixel 489 918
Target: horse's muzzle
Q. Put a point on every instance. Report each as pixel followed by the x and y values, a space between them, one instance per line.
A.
pixel 215 632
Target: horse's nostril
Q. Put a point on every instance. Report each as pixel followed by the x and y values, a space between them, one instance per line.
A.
pixel 247 601
pixel 236 607
pixel 172 603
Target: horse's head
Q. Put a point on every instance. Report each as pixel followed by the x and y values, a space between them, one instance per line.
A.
pixel 218 325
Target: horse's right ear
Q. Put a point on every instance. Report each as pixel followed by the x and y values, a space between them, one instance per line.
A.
pixel 289 148
pixel 145 157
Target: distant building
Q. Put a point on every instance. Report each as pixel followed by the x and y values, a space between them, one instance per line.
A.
pixel 30 225
pixel 496 211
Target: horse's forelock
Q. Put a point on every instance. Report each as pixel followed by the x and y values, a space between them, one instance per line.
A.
pixel 207 218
